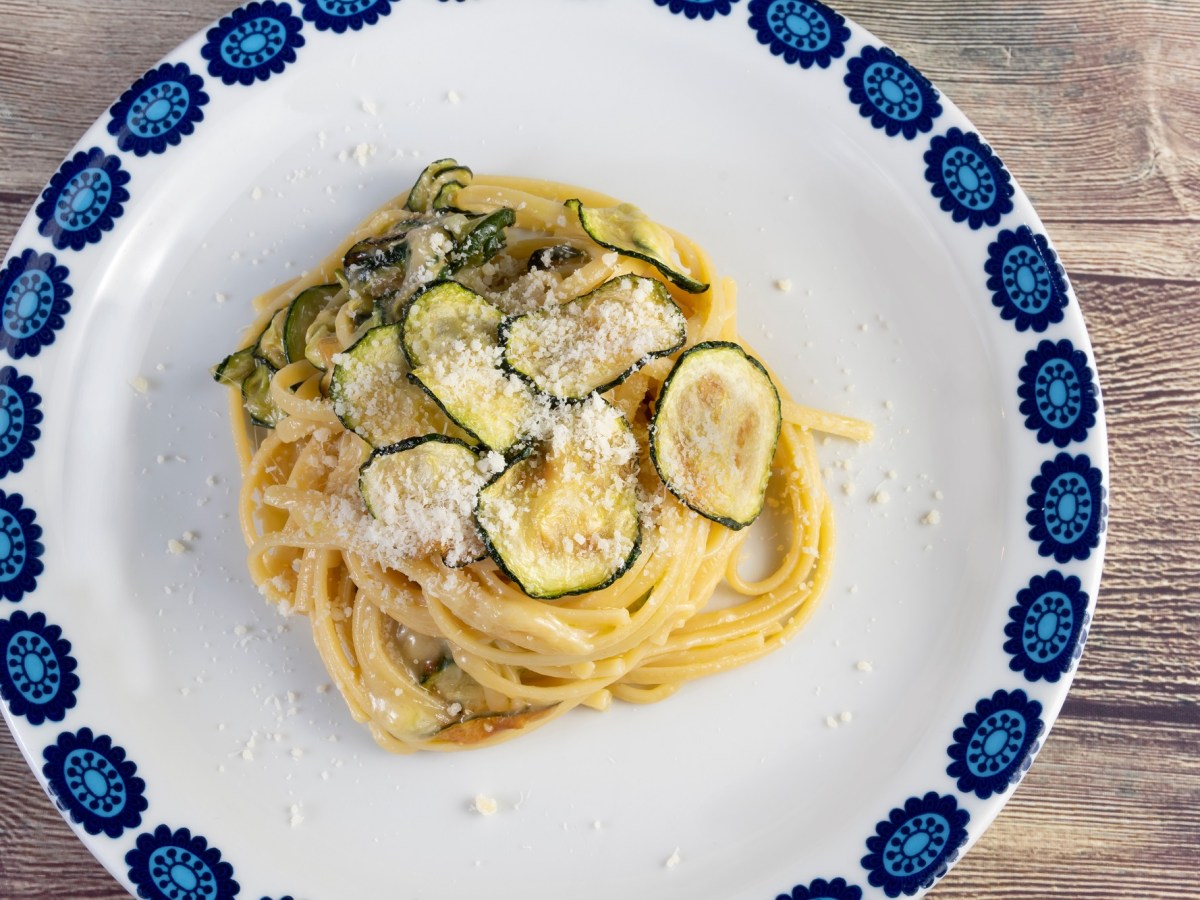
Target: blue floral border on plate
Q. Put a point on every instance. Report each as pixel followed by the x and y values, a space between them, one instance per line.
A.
pixel 914 843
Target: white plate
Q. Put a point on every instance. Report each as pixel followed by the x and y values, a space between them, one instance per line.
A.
pixel 793 771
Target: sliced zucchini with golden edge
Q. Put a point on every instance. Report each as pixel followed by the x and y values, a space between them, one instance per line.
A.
pixel 596 341
pixel 450 339
pixel 371 393
pixel 563 519
pixel 714 432
pixel 256 396
pixel 423 489
pixel 270 343
pixel 301 314
pixel 431 186
pixel 630 232
pixel 234 369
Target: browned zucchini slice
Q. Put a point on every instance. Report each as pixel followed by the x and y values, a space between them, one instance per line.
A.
pixel 714 432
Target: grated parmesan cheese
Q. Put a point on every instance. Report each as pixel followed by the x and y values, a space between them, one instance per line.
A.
pixel 425 505
pixel 595 338
pixel 577 442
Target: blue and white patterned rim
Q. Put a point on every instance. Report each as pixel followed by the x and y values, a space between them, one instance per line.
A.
pixel 917 838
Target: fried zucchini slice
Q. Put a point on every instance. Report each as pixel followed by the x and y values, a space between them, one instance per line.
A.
pixel 596 341
pixel 714 432
pixel 424 490
pixel 630 232
pixel 450 336
pixel 563 518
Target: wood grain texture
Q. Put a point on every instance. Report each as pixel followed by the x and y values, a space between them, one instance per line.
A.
pixel 1095 106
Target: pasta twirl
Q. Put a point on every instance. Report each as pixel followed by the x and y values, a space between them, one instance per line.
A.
pixel 437 656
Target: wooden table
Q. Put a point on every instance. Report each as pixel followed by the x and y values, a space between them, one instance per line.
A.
pixel 1095 106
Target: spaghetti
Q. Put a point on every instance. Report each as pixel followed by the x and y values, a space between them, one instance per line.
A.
pixel 437 656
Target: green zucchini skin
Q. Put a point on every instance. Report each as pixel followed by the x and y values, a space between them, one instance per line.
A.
pixel 437 184
pixel 657 436
pixel 375 267
pixel 301 313
pixel 269 347
pixel 256 396
pixel 524 367
pixel 234 369
pixel 421 252
pixel 556 256
pixel 250 375
pixel 486 237
pixel 632 244
pixel 498 558
pixel 382 453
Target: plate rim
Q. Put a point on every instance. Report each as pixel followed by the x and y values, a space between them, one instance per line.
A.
pixel 1089 570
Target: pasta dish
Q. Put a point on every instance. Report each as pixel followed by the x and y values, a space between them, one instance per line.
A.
pixel 503 445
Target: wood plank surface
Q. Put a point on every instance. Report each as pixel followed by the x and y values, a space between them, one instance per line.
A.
pixel 1095 106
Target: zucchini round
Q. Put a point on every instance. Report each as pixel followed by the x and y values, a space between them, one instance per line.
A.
pixel 630 232
pixel 450 340
pixel 596 341
pixel 372 396
pixel 714 432
pixel 423 491
pixel 440 316
pixel 563 519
